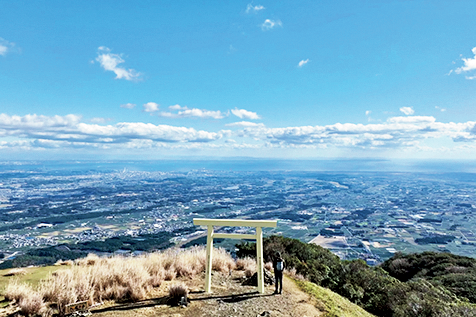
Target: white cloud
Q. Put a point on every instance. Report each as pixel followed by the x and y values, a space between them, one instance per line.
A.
pixel 407 110
pixel 128 105
pixel 3 49
pixel 397 132
pixel 303 62
pixel 368 112
pixel 192 113
pixel 406 133
pixel 177 107
pixel 33 121
pixel 245 124
pixel 250 8
pixel 411 119
pixel 70 129
pixel 245 114
pixel 469 65
pixel 151 107
pixel 441 109
pixel 100 120
pixel 6 46
pixel 110 62
pixel 270 24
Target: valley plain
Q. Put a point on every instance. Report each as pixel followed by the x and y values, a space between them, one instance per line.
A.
pixel 112 208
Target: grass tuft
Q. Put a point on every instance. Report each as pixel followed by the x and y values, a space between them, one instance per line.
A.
pixel 246 263
pixel 32 304
pixel 14 272
pixel 221 261
pixel 293 273
pixel 94 279
pixel 15 290
pixel 61 262
pixel 176 292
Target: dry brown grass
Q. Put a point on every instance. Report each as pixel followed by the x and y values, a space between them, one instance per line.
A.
pixel 246 263
pixel 30 301
pixel 17 271
pixel 61 262
pixel 91 259
pixel 170 274
pixel 293 273
pixel 16 290
pixel 94 279
pixel 222 261
pixel 249 273
pixel 268 266
pixel 176 292
pixel 32 304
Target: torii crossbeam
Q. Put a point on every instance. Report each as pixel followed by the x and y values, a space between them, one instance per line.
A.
pixel 258 224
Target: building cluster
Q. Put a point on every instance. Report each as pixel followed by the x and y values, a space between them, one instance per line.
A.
pixel 356 215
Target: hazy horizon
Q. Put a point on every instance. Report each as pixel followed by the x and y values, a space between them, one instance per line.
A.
pixel 253 164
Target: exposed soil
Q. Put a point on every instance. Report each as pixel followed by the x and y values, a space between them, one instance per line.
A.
pixel 228 298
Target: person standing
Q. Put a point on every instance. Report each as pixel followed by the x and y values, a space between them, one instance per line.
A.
pixel 278 265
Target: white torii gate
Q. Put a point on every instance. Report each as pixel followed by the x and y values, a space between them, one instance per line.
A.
pixel 258 224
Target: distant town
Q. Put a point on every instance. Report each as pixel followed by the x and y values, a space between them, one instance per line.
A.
pixel 367 215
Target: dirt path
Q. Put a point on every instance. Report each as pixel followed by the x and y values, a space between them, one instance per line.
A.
pixel 229 298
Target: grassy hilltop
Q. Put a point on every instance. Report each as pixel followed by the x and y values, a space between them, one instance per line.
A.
pixel 427 284
pixel 123 285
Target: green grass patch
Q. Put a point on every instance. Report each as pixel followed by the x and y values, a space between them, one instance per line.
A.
pixel 333 304
pixel 3 302
pixel 33 276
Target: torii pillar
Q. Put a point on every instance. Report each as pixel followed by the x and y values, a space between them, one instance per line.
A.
pixel 258 224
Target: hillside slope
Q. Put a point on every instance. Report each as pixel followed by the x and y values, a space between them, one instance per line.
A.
pixel 229 298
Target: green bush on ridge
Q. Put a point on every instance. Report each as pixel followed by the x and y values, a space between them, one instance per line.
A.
pixel 456 273
pixel 373 288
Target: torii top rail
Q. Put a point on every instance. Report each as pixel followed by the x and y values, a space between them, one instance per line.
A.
pixel 258 224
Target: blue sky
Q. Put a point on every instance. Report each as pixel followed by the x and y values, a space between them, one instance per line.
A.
pixel 287 79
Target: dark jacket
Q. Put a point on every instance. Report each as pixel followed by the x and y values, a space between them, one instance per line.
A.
pixel 275 264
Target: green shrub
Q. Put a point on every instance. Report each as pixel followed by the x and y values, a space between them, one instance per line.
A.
pixel 454 272
pixel 425 284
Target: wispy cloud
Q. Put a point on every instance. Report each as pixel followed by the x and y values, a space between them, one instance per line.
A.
pixel 269 24
pixel 100 120
pixel 150 107
pixel 407 110
pixel 303 62
pixel 231 49
pixel 469 65
pixel 177 107
pixel 441 109
pixel 128 105
pixel 110 62
pixel 245 124
pixel 6 47
pixel 245 114
pixel 250 8
pixel 412 119
pixel 185 112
